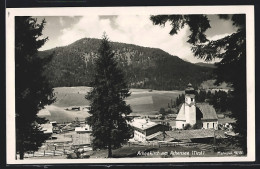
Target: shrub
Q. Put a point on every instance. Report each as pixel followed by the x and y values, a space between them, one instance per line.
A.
pixel 187 127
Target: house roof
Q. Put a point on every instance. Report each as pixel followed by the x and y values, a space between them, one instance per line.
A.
pixel 153 135
pixel 142 124
pixel 207 110
pixel 190 134
pixel 172 115
pixel 85 128
pixel 46 128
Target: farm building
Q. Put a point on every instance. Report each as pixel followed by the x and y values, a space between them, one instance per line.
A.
pixel 145 130
pixel 191 112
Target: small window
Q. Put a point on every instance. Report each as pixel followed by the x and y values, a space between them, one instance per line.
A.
pixel 192 99
pixel 213 125
pixel 207 125
pixel 182 125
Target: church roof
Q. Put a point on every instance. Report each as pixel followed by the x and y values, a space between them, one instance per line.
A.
pixel 208 111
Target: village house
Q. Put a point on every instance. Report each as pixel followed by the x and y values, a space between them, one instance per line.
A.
pixel 83 129
pixel 145 130
pixel 50 128
pixel 47 128
pixel 193 113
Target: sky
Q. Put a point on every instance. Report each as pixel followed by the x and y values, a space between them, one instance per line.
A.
pixel 132 29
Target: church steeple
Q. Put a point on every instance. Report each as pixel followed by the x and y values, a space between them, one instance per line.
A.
pixel 189 89
pixel 189 105
pixel 189 94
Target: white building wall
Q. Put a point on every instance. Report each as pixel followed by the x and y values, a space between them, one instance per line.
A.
pixel 210 125
pixel 138 136
pixel 190 109
pixel 190 113
pixel 190 98
pixel 187 112
pixel 180 124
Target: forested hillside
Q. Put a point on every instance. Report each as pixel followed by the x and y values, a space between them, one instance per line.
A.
pixel 144 67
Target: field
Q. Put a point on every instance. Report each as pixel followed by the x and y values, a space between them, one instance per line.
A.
pixel 141 101
pixel 60 115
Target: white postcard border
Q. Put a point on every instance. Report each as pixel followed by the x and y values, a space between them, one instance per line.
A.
pixel 79 11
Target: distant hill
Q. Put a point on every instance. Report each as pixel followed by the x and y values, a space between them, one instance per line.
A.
pixel 209 65
pixel 144 67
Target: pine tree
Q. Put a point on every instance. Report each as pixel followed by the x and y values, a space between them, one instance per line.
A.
pixel 32 91
pixel 108 107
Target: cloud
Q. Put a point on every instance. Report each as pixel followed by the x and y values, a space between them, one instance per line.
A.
pixel 220 36
pixel 61 21
pixel 132 29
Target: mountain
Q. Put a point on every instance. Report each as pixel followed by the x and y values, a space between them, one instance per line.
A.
pixel 206 65
pixel 144 67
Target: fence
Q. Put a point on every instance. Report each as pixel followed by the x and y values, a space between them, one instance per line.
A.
pixel 200 146
pixel 47 153
pixel 162 144
pixel 48 150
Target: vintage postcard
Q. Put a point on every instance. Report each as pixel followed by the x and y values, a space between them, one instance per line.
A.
pixel 130 84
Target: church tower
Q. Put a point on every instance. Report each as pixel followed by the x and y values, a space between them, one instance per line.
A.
pixel 189 106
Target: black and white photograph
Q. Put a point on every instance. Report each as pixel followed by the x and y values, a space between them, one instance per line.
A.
pixel 130 84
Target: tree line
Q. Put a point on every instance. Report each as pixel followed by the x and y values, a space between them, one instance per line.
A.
pixel 219 99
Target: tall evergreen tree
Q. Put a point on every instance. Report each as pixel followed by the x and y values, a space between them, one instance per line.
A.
pixel 108 107
pixel 32 91
pixel 230 49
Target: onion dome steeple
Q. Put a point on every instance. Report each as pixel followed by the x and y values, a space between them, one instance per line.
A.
pixel 189 89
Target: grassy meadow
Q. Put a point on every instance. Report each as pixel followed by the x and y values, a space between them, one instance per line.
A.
pixel 141 101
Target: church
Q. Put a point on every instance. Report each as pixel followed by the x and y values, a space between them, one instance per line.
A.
pixel 193 113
